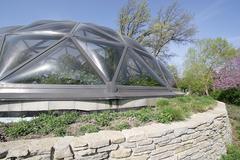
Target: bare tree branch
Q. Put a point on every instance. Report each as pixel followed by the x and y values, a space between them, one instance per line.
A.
pixel 172 25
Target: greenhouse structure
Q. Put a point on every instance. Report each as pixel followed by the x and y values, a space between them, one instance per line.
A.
pixel 68 61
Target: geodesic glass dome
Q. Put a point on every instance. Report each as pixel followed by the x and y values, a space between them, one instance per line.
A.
pixel 65 60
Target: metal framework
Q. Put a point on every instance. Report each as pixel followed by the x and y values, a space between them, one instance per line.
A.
pixel 65 60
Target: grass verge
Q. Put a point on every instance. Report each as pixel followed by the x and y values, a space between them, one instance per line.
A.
pixel 165 111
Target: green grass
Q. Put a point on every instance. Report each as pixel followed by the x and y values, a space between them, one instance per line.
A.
pixel 166 110
pixel 233 151
pixel 88 128
pixel 121 126
pixel 42 125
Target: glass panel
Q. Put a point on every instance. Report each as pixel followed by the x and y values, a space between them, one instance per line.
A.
pixel 58 27
pixel 108 31
pixel 134 73
pixel 106 57
pixel 36 24
pixel 152 64
pixel 134 43
pixel 168 75
pixel 19 48
pixel 88 32
pixel 1 41
pixel 8 29
pixel 65 65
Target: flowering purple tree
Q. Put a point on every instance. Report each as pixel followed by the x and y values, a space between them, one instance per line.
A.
pixel 228 76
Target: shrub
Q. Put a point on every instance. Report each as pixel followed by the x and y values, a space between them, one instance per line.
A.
pixel 163 102
pixel 167 110
pixel 233 153
pixel 88 128
pixel 43 124
pixel 21 128
pixel 121 126
pixel 103 119
pixel 168 114
pixel 202 104
pixel 231 95
pixel 144 115
pixel 184 99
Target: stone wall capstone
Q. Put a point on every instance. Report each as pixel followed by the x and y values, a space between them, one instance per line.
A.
pixel 204 136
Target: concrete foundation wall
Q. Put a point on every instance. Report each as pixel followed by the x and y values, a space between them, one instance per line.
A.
pixel 75 105
pixel 204 136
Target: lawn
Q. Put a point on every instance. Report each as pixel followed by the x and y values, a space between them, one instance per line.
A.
pixel 234 150
pixel 75 123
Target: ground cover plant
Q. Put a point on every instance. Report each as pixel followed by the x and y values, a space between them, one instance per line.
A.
pixel 233 151
pixel 74 123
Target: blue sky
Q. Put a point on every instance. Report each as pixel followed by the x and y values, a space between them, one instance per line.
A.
pixel 213 18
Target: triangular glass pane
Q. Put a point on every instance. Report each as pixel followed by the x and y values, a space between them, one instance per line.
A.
pixel 8 29
pixel 108 31
pixel 51 27
pixel 134 73
pixel 35 24
pixel 168 75
pixel 90 33
pixel 1 41
pixel 63 65
pixel 17 49
pixel 152 64
pixel 133 43
pixel 105 56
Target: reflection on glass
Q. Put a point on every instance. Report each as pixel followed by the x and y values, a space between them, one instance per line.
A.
pixel 18 49
pixel 8 29
pixel 168 75
pixel 134 73
pixel 55 26
pixel 134 44
pixel 1 41
pixel 65 65
pixel 152 64
pixel 108 31
pixel 106 57
pixel 87 32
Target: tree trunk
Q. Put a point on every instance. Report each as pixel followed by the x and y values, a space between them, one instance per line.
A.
pixel 206 90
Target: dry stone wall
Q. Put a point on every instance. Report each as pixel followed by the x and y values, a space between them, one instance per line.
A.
pixel 203 136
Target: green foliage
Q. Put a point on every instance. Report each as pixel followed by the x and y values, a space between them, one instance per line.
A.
pixel 169 114
pixel 167 110
pixel 163 102
pixel 144 115
pixel 143 80
pixel 88 128
pixel 201 62
pixel 180 108
pixel 233 153
pixel 103 119
pixel 21 128
pixel 121 126
pixel 231 95
pixel 67 77
pixel 44 124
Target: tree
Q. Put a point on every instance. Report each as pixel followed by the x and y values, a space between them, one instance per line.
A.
pixel 133 19
pixel 228 76
pixel 203 60
pixel 172 24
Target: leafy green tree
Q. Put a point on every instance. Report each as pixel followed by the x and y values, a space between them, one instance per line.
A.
pixel 172 24
pixel 174 71
pixel 202 60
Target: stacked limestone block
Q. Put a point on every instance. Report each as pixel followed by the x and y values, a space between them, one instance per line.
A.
pixel 203 136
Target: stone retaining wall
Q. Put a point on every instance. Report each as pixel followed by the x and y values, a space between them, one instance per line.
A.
pixel 203 136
